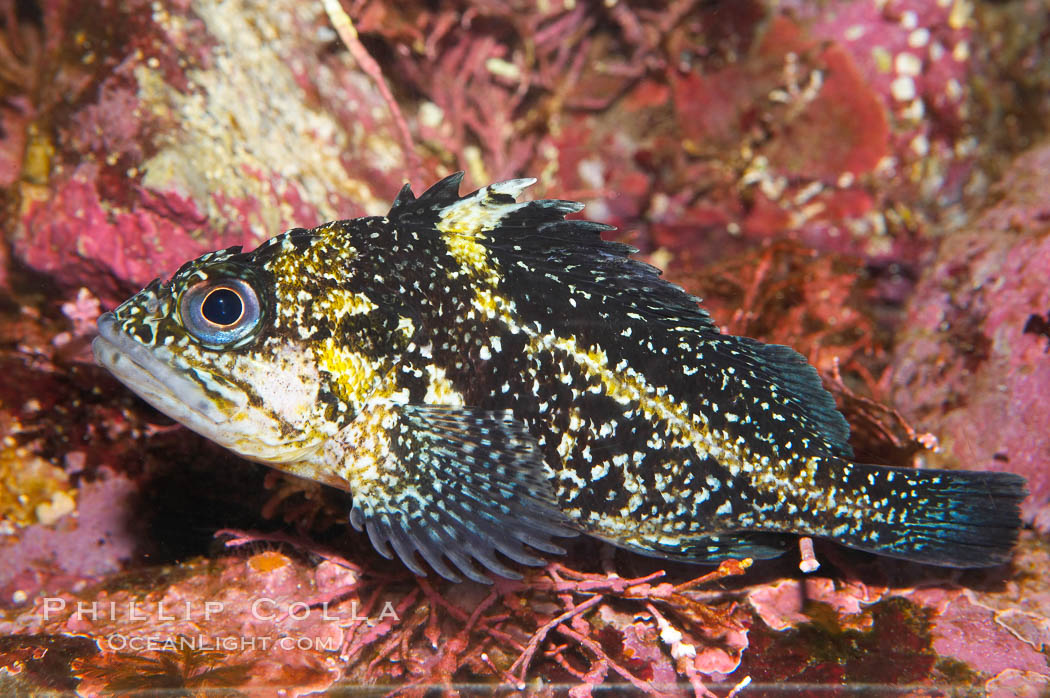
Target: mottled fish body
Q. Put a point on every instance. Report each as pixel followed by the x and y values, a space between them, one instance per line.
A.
pixel 485 376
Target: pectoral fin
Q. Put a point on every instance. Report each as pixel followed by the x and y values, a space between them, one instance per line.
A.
pixel 449 483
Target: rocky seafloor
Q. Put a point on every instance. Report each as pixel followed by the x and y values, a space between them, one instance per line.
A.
pixel 863 180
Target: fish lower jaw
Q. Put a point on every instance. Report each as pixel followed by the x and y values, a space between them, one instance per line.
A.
pixel 159 384
pixel 247 433
pixel 297 459
pixel 308 466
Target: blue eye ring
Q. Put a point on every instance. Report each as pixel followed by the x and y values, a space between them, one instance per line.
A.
pixel 219 313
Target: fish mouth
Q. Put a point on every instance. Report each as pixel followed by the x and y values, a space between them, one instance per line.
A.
pixel 146 372
pixel 151 374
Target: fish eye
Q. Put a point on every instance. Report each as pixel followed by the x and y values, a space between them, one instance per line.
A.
pixel 220 312
pixel 222 307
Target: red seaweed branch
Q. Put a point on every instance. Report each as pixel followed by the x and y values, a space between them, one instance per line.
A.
pixel 344 26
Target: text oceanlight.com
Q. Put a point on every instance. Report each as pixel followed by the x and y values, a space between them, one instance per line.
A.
pixel 118 642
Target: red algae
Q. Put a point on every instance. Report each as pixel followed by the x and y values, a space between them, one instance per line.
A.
pixel 812 169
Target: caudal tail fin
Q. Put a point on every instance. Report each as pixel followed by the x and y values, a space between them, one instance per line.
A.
pixel 952 518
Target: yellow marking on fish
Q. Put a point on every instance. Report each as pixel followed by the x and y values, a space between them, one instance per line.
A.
pixel 460 224
pixel 439 388
pixel 628 387
pixel 470 254
pixel 346 303
pixel 493 305
pixel 355 374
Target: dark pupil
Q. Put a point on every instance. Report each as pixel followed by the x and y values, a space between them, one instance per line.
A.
pixel 222 307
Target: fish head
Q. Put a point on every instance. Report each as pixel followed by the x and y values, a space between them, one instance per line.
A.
pixel 220 347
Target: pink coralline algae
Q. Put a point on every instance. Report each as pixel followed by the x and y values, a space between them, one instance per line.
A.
pixel 98 539
pixel 168 158
pixel 972 360
pixel 781 605
pixel 810 168
pixel 917 56
pixel 969 634
pixel 262 620
pixel 75 237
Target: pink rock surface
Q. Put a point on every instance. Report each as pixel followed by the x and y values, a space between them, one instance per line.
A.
pixel 96 541
pixel 1014 683
pixel 967 632
pixel 170 157
pixel 971 363
pixel 255 622
pixel 780 605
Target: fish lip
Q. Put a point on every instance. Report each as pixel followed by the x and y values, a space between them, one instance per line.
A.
pixel 150 377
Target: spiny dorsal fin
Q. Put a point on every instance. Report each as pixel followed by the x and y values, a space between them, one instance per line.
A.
pixel 541 253
pixel 442 193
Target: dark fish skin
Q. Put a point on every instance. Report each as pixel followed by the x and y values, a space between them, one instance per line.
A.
pixel 484 375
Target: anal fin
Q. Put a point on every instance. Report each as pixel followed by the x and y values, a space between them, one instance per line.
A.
pixel 758 545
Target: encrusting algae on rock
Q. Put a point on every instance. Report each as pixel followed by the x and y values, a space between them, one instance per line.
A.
pixel 31 489
pixel 485 376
